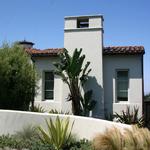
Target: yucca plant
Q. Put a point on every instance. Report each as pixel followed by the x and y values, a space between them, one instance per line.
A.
pixel 130 117
pixel 58 132
pixel 75 74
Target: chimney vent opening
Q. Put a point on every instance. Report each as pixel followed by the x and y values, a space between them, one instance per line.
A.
pixel 82 22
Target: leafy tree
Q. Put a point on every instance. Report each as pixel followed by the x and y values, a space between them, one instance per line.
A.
pixel 147 97
pixel 75 75
pixel 17 78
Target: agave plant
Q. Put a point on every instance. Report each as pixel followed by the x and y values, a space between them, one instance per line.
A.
pixel 59 132
pixel 130 117
pixel 74 74
pixel 55 111
pixel 37 108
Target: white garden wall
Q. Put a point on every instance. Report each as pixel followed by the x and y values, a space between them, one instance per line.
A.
pixel 12 121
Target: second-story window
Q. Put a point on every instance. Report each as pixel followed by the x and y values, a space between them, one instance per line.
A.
pixel 82 22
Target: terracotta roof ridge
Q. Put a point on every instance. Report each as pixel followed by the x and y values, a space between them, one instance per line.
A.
pixel 124 46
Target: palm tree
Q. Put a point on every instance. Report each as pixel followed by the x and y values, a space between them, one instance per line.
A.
pixel 72 72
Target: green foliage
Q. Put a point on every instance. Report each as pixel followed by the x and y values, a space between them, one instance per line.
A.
pixel 58 132
pixel 75 75
pixel 31 144
pixel 54 111
pixel 35 144
pixel 28 132
pixel 130 117
pixel 37 108
pixel 17 78
pixel 79 145
pixel 147 97
pixel 87 103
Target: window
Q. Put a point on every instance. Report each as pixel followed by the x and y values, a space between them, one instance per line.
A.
pixel 48 85
pixel 82 23
pixel 122 85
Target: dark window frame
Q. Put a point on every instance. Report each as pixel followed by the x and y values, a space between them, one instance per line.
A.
pixel 51 80
pixel 124 99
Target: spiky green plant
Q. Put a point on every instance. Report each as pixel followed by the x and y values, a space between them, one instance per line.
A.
pixel 37 108
pixel 58 132
pixel 55 111
pixel 75 75
pixel 130 117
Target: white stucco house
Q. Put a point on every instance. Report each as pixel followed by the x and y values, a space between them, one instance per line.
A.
pixel 116 76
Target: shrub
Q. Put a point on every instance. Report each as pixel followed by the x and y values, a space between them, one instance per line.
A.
pixel 79 145
pixel 58 132
pixel 28 132
pixel 17 78
pixel 54 111
pixel 130 117
pixel 37 108
pixel 131 139
pixel 11 142
pixel 110 140
pixel 137 138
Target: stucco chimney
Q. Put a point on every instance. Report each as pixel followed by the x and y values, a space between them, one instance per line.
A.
pixel 86 32
pixel 26 44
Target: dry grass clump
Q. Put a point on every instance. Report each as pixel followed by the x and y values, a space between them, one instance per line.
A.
pixel 131 139
pixel 137 138
pixel 111 139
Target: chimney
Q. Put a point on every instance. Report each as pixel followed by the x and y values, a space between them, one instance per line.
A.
pixel 26 44
pixel 86 32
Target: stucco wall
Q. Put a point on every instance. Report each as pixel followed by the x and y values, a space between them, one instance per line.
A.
pixel 12 121
pixel 46 64
pixel 134 65
pixel 91 41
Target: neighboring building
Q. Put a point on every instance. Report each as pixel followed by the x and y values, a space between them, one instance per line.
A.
pixel 116 76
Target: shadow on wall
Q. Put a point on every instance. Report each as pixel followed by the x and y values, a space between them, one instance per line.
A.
pixel 93 85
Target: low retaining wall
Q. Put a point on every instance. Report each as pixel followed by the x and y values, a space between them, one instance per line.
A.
pixel 84 127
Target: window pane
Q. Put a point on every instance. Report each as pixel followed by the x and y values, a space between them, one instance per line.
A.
pixel 122 85
pixel 49 76
pixel 48 94
pixel 49 85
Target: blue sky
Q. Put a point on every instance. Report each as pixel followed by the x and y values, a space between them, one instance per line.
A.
pixel 126 22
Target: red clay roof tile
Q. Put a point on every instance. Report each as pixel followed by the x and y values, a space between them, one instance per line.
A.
pixel 111 50
pixel 128 50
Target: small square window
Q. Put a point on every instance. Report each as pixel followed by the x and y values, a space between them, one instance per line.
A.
pixel 83 23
